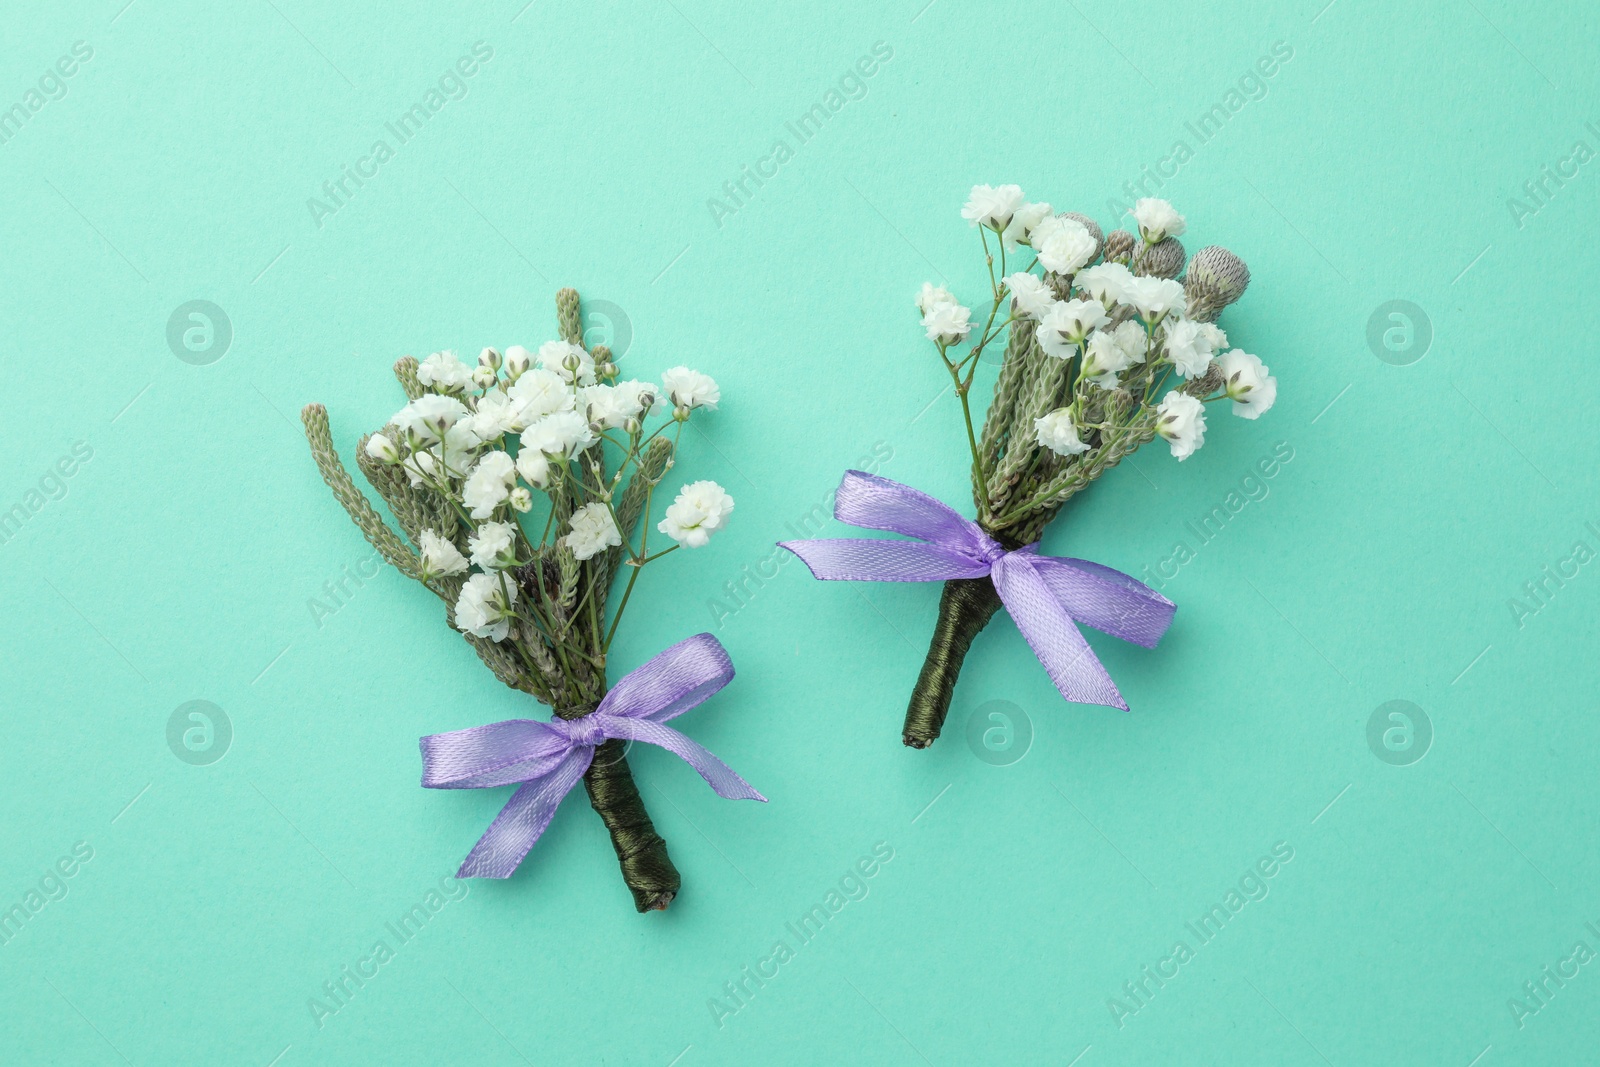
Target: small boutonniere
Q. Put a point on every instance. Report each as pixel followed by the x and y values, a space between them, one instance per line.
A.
pixel 1106 349
pixel 520 484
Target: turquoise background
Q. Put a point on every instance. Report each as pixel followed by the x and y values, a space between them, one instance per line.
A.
pixel 180 561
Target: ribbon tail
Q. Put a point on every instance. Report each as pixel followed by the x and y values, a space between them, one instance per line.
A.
pixel 1110 601
pixel 1053 635
pixel 723 779
pixel 522 821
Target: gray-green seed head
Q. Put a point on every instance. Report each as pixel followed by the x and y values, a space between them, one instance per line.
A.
pixel 1206 384
pixel 1161 260
pixel 1119 246
pixel 1220 271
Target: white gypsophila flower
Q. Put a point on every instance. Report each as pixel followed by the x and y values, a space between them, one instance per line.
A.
pixel 700 510
pixel 611 406
pixel 382 449
pixel 538 393
pixel 1104 359
pixel 1153 298
pixel 639 397
pixel 1106 282
pixel 990 206
pixel 593 530
pixel 711 499
pixel 1181 419
pixel 1247 383
pixel 440 557
pixel 447 462
pixel 492 546
pixel 690 389
pixel 520 499
pixel 1188 347
pixel 1063 245
pixel 561 433
pixel 596 404
pixel 493 414
pixel 460 445
pixel 1057 432
pixel 518 360
pixel 931 296
pixel 1214 336
pixel 1032 295
pixel 1066 324
pixel 488 484
pixel 429 416
pixel 444 372
pixel 1157 220
pixel 1020 229
pixel 534 466
pixel 555 357
pixel 484 607
pixel 1132 339
pixel 484 377
pixel 947 324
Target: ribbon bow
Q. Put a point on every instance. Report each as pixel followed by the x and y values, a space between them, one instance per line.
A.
pixel 548 758
pixel 1046 595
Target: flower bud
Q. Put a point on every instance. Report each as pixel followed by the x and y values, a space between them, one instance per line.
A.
pixel 489 358
pixel 484 377
pixel 382 449
pixel 518 360
pixel 632 425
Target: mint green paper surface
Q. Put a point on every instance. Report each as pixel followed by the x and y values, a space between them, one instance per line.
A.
pixel 1428 534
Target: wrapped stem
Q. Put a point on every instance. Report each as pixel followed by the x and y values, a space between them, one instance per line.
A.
pixel 965 608
pixel 646 867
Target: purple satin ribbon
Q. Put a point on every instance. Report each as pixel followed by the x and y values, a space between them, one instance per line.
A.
pixel 1046 595
pixel 549 758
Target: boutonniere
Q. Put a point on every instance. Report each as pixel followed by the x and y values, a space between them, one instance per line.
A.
pixel 523 486
pixel 1110 342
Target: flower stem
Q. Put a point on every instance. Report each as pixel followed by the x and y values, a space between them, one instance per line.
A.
pixel 626 593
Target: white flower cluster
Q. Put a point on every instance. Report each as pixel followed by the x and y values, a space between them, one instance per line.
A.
pixel 487 437
pixel 1126 331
